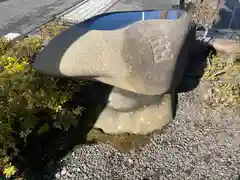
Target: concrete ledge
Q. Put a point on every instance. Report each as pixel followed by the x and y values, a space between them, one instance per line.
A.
pixel 86 10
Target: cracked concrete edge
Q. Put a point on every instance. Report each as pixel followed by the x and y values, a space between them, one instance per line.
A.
pixel 71 9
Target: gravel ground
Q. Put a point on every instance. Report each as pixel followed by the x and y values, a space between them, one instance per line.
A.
pixel 197 145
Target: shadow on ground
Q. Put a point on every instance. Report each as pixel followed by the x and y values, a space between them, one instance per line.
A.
pixel 195 69
pixel 40 158
pixel 44 151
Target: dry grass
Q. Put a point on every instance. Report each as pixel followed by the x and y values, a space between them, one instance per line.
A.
pixel 205 12
pixel 224 76
pixel 48 31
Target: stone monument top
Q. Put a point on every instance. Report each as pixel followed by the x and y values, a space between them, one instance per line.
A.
pixel 139 53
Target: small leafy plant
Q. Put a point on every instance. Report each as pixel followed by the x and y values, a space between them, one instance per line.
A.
pixel 29 99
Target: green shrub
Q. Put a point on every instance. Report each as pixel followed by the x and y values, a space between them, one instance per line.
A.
pixel 28 98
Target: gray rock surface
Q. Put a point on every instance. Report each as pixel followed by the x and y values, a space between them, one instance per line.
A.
pixel 127 112
pixel 142 58
pixel 226 46
pixel 123 101
pixel 147 57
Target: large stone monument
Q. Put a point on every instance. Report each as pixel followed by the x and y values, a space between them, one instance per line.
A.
pixel 142 54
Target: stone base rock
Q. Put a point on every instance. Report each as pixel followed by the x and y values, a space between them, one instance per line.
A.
pixel 226 46
pixel 127 112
